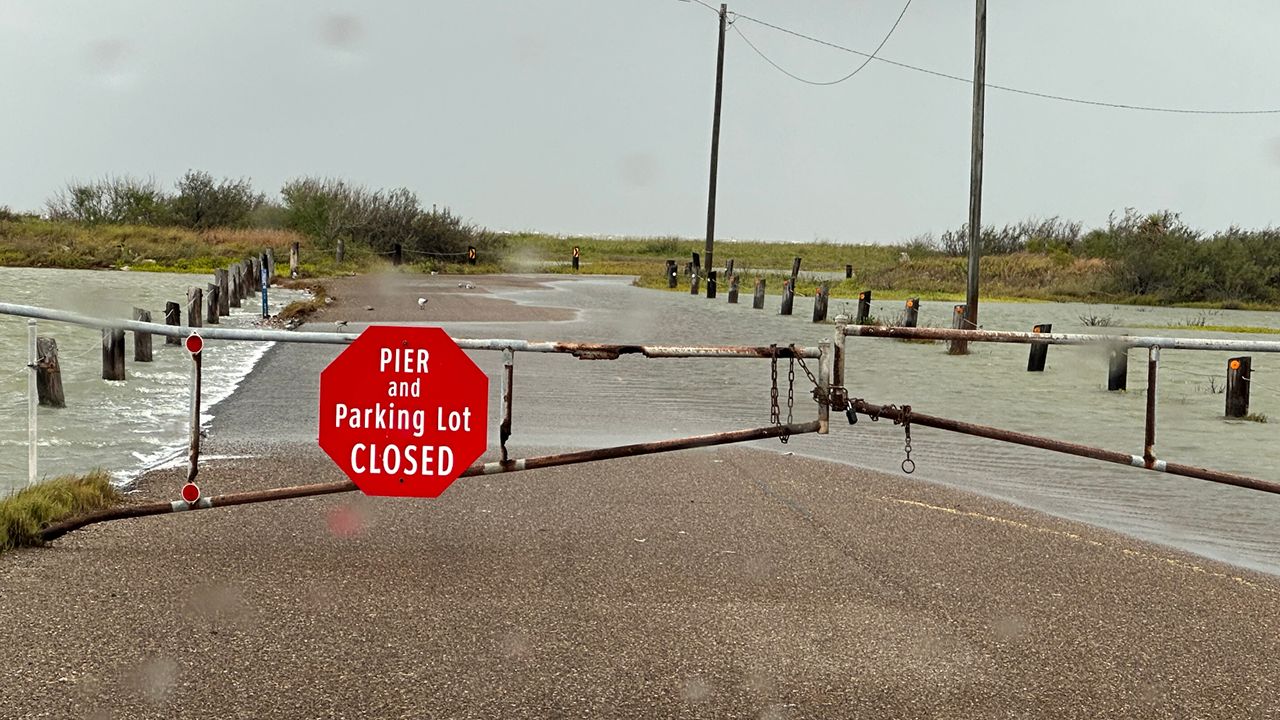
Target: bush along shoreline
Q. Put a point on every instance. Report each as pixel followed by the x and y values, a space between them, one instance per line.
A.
pixel 203 223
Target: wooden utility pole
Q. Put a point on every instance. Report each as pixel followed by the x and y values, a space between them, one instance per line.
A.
pixel 975 171
pixel 715 149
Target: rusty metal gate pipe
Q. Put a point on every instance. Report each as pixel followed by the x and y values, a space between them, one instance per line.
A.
pixel 57 530
pixel 1165 343
pixel 1069 448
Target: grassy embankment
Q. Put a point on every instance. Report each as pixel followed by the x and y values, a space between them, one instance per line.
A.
pixel 24 513
pixel 879 268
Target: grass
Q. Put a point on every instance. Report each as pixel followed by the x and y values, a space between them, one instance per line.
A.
pixel 24 513
pixel 1243 329
pixel 930 277
pixel 300 310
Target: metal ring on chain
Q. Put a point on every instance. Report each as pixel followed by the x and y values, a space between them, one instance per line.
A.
pixel 908 466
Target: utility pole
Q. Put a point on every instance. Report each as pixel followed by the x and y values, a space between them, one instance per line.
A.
pixel 715 150
pixel 975 171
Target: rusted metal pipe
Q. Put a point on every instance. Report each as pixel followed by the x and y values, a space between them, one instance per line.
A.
pixel 508 375
pixel 1036 441
pixel 57 530
pixel 1149 446
pixel 1166 343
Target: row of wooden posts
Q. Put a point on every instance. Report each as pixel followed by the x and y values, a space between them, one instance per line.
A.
pixel 1238 368
pixel 204 306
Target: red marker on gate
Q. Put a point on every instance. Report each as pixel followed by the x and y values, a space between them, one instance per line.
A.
pixel 190 493
pixel 194 343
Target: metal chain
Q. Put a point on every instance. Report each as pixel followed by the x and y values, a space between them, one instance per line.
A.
pixel 791 392
pixel 908 465
pixel 774 416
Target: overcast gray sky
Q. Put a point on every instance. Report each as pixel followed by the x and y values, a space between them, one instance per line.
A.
pixel 594 116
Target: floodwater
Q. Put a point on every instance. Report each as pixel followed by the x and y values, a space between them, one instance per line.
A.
pixel 563 402
pixel 124 427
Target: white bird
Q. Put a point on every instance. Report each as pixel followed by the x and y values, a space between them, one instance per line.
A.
pixel 341 323
pixel 422 302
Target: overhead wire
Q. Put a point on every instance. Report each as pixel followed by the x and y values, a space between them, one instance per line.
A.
pixel 969 81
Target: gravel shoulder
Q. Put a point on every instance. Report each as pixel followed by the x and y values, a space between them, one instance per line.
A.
pixel 734 582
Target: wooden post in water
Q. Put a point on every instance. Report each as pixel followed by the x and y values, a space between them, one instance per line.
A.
pixel 195 307
pixel 1118 368
pixel 234 278
pixel 397 255
pixel 141 340
pixel 172 316
pixel 211 300
pixel 1239 378
pixel 1039 350
pixel 912 315
pixel 733 288
pixel 795 271
pixel 254 271
pixel 788 296
pixel 112 354
pixel 673 279
pixel 48 374
pixel 695 274
pixel 757 302
pixel 271 263
pixel 293 260
pixel 864 308
pixel 711 285
pixel 848 272
pixel 224 292
pixel 820 302
pixel 957 347
pixel 728 268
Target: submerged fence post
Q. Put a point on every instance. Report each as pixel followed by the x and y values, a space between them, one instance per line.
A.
pixel 49 374
pixel 172 316
pixel 1239 378
pixel 141 340
pixel 848 272
pixel 293 260
pixel 271 262
pixel 1118 368
pixel 820 302
pixel 711 285
pixel 957 347
pixel 912 316
pixel 695 274
pixel 397 255
pixel 220 278
pixel 733 288
pixel 728 268
pixel 195 306
pixel 673 279
pixel 33 399
pixel 1039 351
pixel 864 308
pixel 757 302
pixel 234 278
pixel 788 296
pixel 212 295
pixel 112 354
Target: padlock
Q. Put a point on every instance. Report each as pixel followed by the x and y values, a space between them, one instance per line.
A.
pixel 852 414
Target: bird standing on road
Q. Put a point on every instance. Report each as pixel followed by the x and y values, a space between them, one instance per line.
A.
pixel 422 303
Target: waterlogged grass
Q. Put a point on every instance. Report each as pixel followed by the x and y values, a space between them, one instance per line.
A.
pixel 24 513
pixel 879 268
pixel 1242 329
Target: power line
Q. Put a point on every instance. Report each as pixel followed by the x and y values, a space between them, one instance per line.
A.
pixel 968 81
pixel 865 62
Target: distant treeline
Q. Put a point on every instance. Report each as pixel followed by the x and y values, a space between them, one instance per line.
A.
pixel 1149 256
pixel 339 216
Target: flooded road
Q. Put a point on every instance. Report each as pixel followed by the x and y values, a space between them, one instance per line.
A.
pixel 637 399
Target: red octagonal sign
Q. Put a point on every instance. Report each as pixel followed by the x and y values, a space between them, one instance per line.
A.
pixel 403 411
